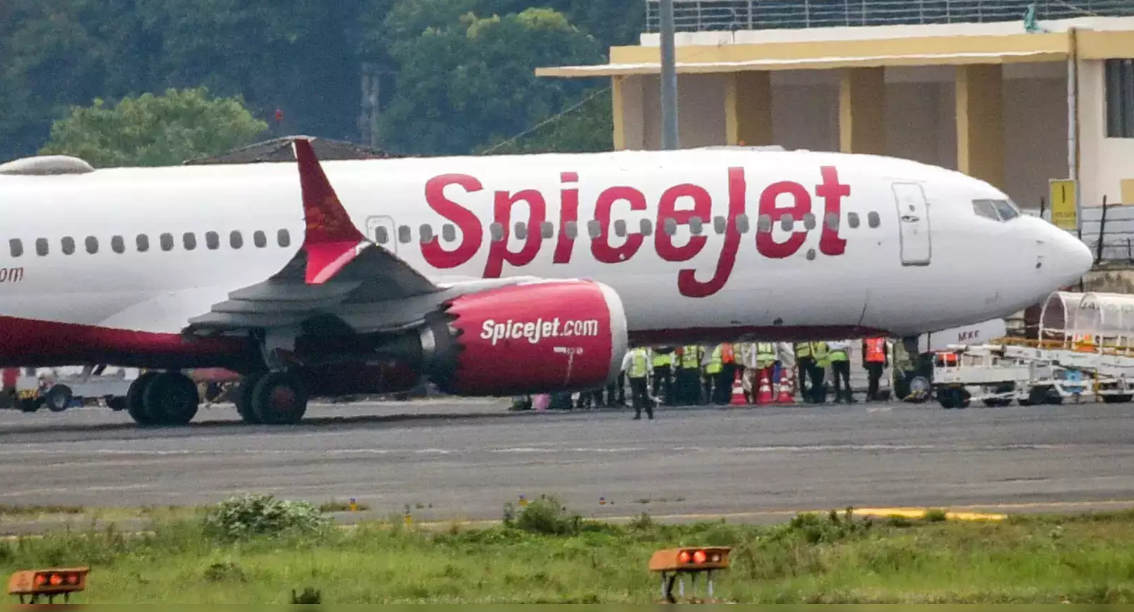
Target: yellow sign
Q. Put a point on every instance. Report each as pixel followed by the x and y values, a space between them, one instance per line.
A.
pixel 1064 208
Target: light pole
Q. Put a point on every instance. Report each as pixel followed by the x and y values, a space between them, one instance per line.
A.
pixel 668 76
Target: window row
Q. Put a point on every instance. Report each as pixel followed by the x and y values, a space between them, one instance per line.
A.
pixel 764 224
pixel 166 242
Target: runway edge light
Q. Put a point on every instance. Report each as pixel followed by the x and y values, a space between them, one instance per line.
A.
pixel 49 583
pixel 672 563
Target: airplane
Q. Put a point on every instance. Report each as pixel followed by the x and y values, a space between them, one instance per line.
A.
pixel 490 276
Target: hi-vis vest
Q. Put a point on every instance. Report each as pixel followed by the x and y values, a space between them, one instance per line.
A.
pixel 876 350
pixel 714 365
pixel 637 364
pixel 840 351
pixel 691 357
pixel 802 350
pixel 728 354
pixel 662 359
pixel 820 351
pixel 765 354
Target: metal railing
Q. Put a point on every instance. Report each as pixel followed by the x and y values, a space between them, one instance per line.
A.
pixel 1109 232
pixel 731 15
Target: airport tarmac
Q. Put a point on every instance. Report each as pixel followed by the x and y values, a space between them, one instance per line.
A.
pixel 463 460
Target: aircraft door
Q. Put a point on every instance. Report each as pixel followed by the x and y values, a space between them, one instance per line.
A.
pixel 913 224
pixel 381 230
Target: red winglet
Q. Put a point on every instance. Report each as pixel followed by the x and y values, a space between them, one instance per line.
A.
pixel 331 239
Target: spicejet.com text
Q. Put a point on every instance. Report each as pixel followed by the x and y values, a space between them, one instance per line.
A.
pixel 534 331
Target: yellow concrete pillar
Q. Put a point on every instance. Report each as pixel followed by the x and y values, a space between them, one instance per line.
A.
pixel 618 110
pixel 748 108
pixel 980 124
pixel 862 105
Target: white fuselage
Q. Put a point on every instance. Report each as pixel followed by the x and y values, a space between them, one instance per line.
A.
pixel 903 253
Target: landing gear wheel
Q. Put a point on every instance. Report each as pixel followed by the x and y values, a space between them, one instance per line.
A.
pixel 243 399
pixel 134 395
pixel 171 399
pixel 117 404
pixel 58 398
pixel 279 399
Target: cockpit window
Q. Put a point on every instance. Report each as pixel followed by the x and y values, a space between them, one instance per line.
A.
pixel 984 208
pixel 997 210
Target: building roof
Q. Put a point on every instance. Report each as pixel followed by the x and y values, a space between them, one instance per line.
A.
pixel 280 150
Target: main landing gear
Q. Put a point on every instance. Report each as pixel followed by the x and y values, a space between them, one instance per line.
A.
pixel 162 398
pixel 271 398
pixel 171 398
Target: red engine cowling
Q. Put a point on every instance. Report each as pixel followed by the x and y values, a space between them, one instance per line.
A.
pixel 535 337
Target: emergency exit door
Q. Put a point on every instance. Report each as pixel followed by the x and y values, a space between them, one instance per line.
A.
pixel 913 224
pixel 381 230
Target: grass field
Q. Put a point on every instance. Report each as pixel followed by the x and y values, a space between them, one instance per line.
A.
pixel 544 556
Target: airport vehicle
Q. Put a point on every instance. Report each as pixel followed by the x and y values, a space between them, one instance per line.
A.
pixel 57 389
pixel 913 372
pixel 491 276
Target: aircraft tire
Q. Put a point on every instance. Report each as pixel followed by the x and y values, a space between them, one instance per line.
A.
pixel 243 399
pixel 171 399
pixel 134 405
pixel 279 398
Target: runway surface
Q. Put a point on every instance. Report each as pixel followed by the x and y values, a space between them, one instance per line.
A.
pixel 464 460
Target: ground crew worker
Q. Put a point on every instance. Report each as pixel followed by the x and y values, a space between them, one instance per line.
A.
pixel 840 368
pixel 785 360
pixel 765 362
pixel 722 386
pixel 875 359
pixel 663 374
pixel 805 364
pixel 820 355
pixel 748 380
pixel 637 365
pixel 689 375
pixel 712 373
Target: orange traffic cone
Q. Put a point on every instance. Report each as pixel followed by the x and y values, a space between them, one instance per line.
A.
pixel 738 398
pixel 787 388
pixel 765 395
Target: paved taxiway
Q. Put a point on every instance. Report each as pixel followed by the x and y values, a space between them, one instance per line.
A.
pixel 464 460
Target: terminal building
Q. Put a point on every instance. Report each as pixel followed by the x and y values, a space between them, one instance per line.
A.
pixel 1014 92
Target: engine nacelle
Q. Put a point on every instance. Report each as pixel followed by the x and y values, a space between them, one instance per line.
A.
pixel 538 337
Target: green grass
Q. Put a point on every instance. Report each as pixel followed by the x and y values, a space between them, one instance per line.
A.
pixel 813 559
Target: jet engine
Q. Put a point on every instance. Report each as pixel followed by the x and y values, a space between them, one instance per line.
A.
pixel 536 337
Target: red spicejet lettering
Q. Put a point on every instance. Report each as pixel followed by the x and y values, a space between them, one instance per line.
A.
pixel 778 200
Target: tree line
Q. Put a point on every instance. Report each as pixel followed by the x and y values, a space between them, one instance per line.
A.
pixel 153 82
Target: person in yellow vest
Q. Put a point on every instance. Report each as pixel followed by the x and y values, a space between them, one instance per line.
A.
pixel 804 363
pixel 875 359
pixel 713 368
pixel 638 365
pixel 820 355
pixel 840 369
pixel 765 364
pixel 662 358
pixel 689 374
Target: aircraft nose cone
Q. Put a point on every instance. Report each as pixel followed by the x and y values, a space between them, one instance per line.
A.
pixel 1072 259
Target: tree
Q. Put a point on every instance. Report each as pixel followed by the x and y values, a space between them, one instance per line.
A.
pixel 154 130
pixel 474 82
pixel 585 127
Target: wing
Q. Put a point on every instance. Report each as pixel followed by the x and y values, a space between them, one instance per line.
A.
pixel 338 277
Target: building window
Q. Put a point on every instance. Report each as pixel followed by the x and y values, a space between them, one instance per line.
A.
pixel 1120 98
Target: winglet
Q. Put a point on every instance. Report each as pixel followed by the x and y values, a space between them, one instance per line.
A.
pixel 331 239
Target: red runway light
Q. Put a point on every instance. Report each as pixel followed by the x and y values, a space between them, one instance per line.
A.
pixel 699 556
pixel 683 557
pixel 56 580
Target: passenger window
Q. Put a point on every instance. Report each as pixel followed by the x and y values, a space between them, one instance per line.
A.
pixel 764 224
pixel 404 234
pixel 720 224
pixel 283 238
pixel 497 231
pixel 670 227
pixel 166 242
pixel 873 219
pixel 809 221
pixel 16 247
pixel 852 220
pixel 787 222
pixel 1006 209
pixel 620 228
pixel 142 242
pixel 41 247
pixel 742 224
pixel 381 235
pixel 832 221
pixel 68 244
pixel 696 225
pixel 117 244
pixel 594 230
pixel 212 240
pixel 571 229
pixel 984 208
pixel 235 240
pixel 92 245
pixel 449 232
pixel 425 233
pixel 547 229
pixel 520 230
pixel 260 239
pixel 647 227
pixel 189 239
